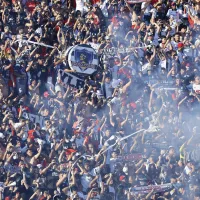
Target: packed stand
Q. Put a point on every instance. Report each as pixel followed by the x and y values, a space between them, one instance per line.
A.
pixel 131 132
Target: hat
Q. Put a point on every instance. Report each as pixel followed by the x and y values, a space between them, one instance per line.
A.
pixel 114 20
pixel 178 76
pixel 37 34
pixel 8 49
pixel 6 27
pixel 2 135
pixel 40 58
pixel 7 62
pixel 39 166
pixel 107 38
pixel 46 94
pixel 121 178
pixel 114 151
pixel 190 161
pixel 99 93
pixel 180 45
pixel 4 106
pixel 187 65
pixel 133 105
pixel 150 34
pixel 173 4
pixel 69 151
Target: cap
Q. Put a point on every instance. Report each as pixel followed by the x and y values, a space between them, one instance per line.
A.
pixel 37 34
pixel 150 34
pixel 187 65
pixel 173 4
pixel 99 93
pixel 2 135
pixel 114 20
pixel 6 27
pixel 46 94
pixel 107 38
pixel 8 49
pixel 121 178
pixel 40 58
pixel 4 106
pixel 180 45
pixel 69 151
pixel 39 166
pixel 178 76
pixel 7 62
pixel 191 162
pixel 133 105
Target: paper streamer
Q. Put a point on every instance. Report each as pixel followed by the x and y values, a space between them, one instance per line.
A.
pixel 37 43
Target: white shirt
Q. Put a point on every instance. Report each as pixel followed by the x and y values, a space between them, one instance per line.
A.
pixel 80 6
pixel 188 51
pixel 148 8
pixel 95 46
pixel 173 28
pixel 181 56
pixel 174 45
pixel 108 89
pixel 104 8
pixel 173 13
pixel 85 181
pixel 79 141
pixel 114 71
pixel 112 164
pixel 95 171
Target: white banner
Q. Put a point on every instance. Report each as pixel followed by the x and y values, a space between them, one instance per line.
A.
pixel 11 169
pixel 145 68
pixel 70 79
pixel 34 118
pixel 130 157
pixel 163 64
pixel 136 1
pixel 149 188
pixel 113 50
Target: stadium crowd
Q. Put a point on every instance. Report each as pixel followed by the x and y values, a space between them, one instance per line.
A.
pixel 131 132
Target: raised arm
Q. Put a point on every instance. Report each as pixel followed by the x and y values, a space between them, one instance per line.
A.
pixel 125 87
pixel 153 56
